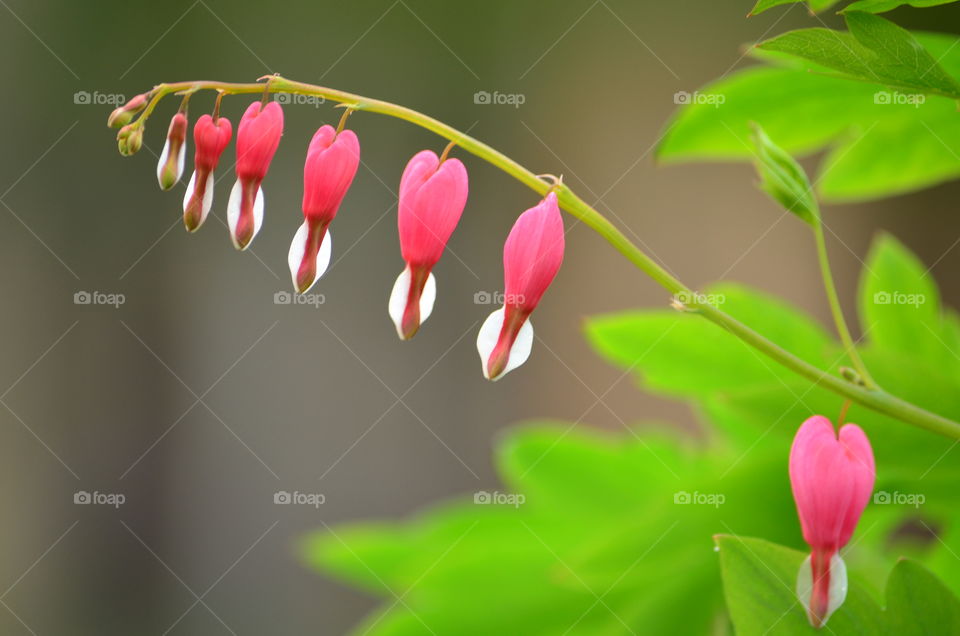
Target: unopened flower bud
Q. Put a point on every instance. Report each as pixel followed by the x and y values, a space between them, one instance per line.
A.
pixel 129 139
pixel 123 115
pixel 170 166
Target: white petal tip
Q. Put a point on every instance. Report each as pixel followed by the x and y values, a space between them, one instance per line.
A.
pixel 398 300
pixel 205 204
pixel 489 336
pixel 233 214
pixel 837 591
pixel 295 256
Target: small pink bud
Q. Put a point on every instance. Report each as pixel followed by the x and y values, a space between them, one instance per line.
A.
pixel 258 136
pixel 123 115
pixel 432 197
pixel 170 166
pixel 211 138
pixel 332 161
pixel 832 479
pixel 531 258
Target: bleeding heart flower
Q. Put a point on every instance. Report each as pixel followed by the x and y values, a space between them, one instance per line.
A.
pixel 433 194
pixel 258 136
pixel 531 257
pixel 170 165
pixel 332 161
pixel 211 137
pixel 832 479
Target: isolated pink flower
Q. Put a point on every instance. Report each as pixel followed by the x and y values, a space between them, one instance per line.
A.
pixel 170 165
pixel 332 160
pixel 832 479
pixel 433 194
pixel 211 137
pixel 531 257
pixel 258 136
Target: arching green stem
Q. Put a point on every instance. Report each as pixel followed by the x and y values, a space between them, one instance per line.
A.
pixel 869 396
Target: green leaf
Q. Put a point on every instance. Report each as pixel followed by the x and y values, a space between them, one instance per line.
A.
pixel 816 6
pixel 874 50
pixel 919 603
pixel 880 142
pixel 667 348
pixel 601 518
pixel 759 579
pixel 881 6
pixel 900 306
pixel 783 179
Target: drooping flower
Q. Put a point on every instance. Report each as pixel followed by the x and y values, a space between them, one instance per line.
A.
pixel 211 137
pixel 258 136
pixel 832 478
pixel 332 160
pixel 170 165
pixel 532 255
pixel 433 193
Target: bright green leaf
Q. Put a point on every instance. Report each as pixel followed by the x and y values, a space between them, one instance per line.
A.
pixel 783 178
pixel 759 579
pixel 860 123
pixel 816 6
pixel 919 603
pixel 881 6
pixel 874 50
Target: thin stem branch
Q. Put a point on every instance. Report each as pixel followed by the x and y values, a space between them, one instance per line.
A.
pixel 834 300
pixel 870 397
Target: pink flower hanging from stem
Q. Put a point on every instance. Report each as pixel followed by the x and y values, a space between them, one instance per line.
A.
pixel 532 256
pixel 332 161
pixel 832 478
pixel 211 134
pixel 258 136
pixel 433 193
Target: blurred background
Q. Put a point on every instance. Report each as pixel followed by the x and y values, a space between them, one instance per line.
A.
pixel 195 397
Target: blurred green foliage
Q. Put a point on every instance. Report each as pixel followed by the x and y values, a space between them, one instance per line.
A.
pixel 606 534
pixel 616 530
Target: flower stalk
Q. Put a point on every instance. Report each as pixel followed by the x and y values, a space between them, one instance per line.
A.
pixel 867 395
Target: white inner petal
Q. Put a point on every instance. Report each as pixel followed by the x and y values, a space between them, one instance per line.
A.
pixel 298 248
pixel 233 212
pixel 490 334
pixel 401 291
pixel 163 160
pixel 838 585
pixel 207 202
